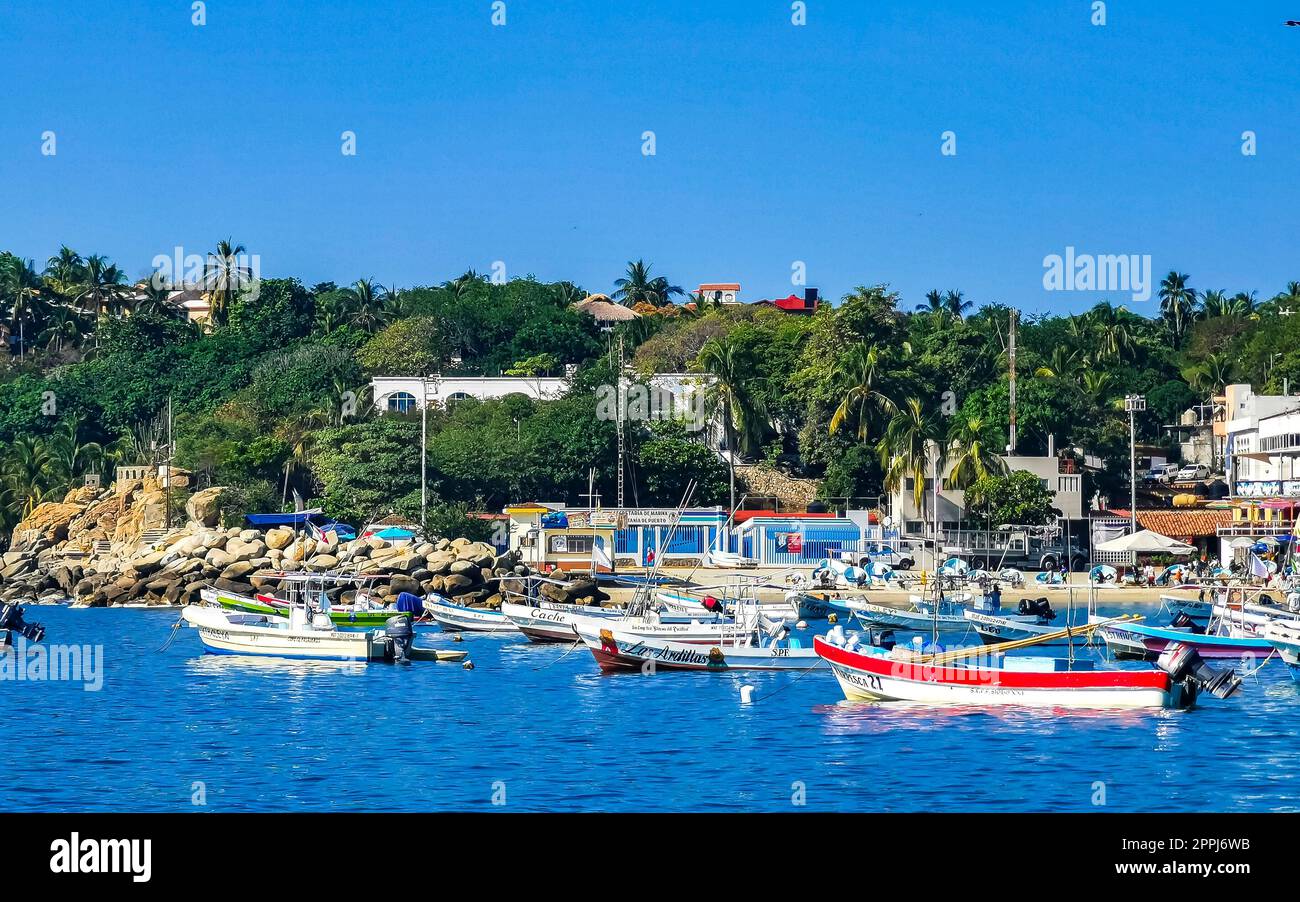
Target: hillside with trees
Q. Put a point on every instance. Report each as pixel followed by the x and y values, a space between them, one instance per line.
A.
pixel 270 395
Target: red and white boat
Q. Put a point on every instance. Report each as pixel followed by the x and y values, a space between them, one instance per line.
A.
pixel 615 650
pixel 870 673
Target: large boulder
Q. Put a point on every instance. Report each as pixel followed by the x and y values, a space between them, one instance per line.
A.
pixel 204 507
pixel 278 539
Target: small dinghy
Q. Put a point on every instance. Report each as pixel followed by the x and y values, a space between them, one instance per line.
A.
pixel 458 618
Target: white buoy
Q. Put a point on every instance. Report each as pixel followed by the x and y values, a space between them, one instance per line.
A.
pixel 746 695
pixel 801 625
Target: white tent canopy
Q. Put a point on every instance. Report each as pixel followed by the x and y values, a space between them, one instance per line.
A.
pixel 1144 541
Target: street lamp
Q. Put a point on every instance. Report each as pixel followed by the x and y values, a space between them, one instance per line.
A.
pixel 1133 404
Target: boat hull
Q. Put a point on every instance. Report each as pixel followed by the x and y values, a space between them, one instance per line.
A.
pixel 883 616
pixel 871 677
pixel 547 623
pixel 457 618
pixel 616 651
pixel 993 628
pixel 1126 640
pixel 220 636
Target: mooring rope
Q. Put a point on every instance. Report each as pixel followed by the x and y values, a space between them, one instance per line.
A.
pixel 561 657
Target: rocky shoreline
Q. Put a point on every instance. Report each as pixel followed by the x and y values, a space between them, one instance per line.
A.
pixel 93 548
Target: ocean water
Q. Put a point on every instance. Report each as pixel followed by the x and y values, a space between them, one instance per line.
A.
pixel 539 728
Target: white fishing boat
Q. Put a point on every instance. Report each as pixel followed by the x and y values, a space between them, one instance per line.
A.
pixel 1285 639
pixel 1032 618
pixel 919 616
pixel 305 634
pixel 458 618
pixel 552 622
pixel 615 650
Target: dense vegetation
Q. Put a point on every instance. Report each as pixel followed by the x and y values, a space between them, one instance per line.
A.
pixel 272 397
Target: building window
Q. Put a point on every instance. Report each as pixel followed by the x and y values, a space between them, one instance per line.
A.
pixel 401 402
pixel 567 544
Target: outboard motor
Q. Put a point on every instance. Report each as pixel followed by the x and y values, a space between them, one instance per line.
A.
pixel 883 639
pixel 1184 664
pixel 400 634
pixel 1183 619
pixel 1038 607
pixel 11 618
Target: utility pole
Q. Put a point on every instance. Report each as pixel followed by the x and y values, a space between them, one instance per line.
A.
pixel 618 418
pixel 1011 359
pixel 424 455
pixel 167 480
pixel 1133 404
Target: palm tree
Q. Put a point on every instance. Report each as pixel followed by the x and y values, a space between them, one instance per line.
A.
pixel 223 277
pixel 955 305
pixel 744 417
pixel 1214 303
pixel 1177 303
pixel 65 272
pixel 69 456
pixel 155 298
pixel 637 287
pixel 22 290
pixel 972 457
pixel 27 472
pixel 934 303
pixel 102 288
pixel 857 372
pixel 1097 385
pixel 1243 303
pixel 914 440
pixel 1211 374
pixel 1064 363
pixel 369 303
pixel 64 328
pixel 1114 336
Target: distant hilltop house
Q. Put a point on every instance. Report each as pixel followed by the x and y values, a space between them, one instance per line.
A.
pixel 805 304
pixel 720 292
pixel 729 293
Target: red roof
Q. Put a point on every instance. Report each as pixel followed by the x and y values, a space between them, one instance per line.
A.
pixel 720 286
pixel 1181 524
pixel 793 302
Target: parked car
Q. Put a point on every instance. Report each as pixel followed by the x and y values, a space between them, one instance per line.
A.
pixel 1193 472
pixel 868 553
pixel 1167 473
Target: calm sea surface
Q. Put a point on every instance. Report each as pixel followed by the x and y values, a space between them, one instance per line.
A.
pixel 540 729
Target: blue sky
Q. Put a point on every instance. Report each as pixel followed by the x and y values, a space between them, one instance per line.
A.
pixel 775 143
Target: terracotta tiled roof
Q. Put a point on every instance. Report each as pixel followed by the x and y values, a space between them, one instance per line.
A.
pixel 1181 524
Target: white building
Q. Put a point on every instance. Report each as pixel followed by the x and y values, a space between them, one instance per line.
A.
pixel 722 292
pixel 667 396
pixel 402 393
pixel 1263 444
pixel 1060 476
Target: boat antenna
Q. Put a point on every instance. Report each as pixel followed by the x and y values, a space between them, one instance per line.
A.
pixel 638 599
